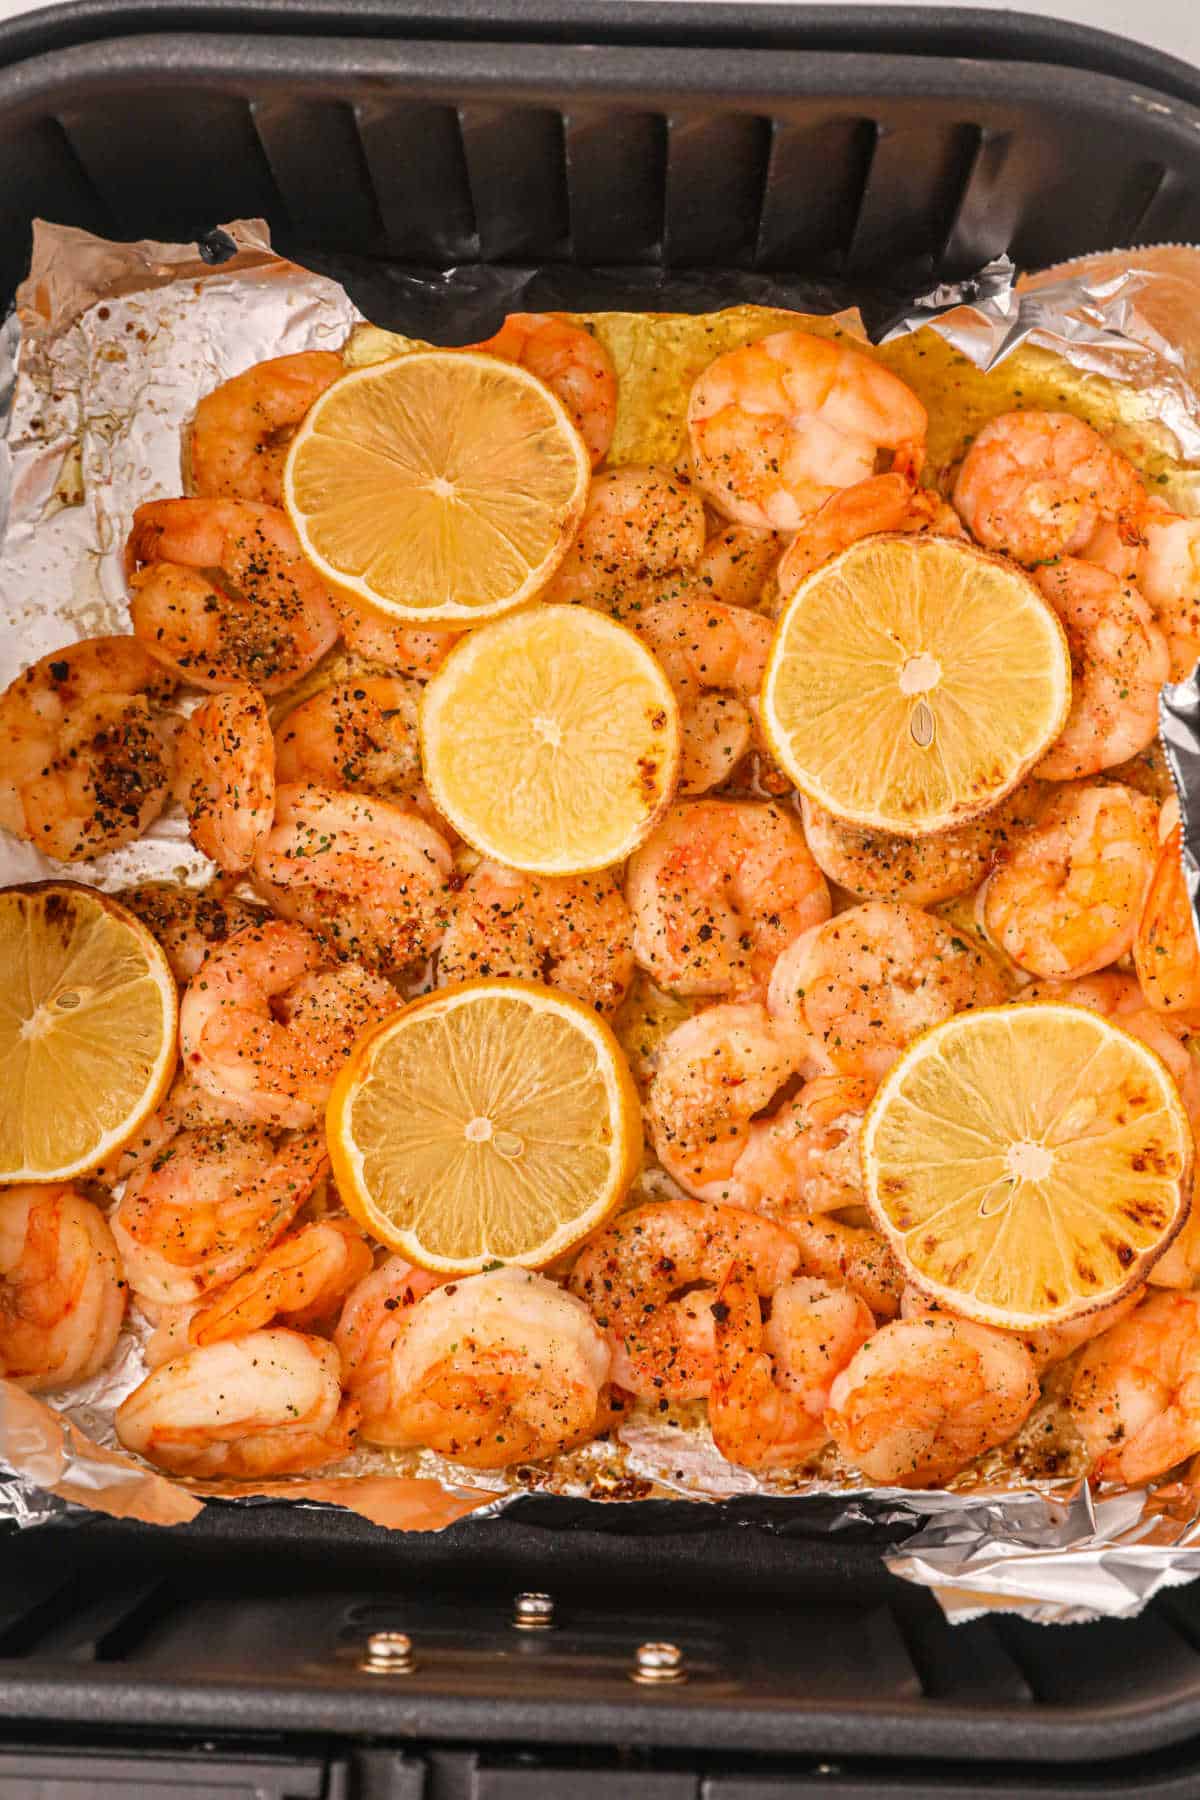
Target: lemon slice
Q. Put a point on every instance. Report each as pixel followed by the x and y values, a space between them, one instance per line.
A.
pixel 495 1121
pixel 1028 1163
pixel 551 740
pixel 913 681
pixel 440 485
pixel 87 1029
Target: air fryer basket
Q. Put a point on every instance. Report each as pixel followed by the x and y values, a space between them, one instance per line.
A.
pixel 633 148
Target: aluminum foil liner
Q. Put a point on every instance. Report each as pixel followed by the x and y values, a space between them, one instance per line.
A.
pixel 103 362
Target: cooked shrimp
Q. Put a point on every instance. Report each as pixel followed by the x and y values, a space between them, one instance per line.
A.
pixel 1118 663
pixel 651 1278
pixel 1040 484
pixel 239 438
pixel 1161 552
pixel 496 1369
pixel 716 1072
pixel 572 932
pixel 266 1404
pixel 62 1295
pixel 734 565
pixel 876 865
pixel 221 593
pixel 854 1256
pixel 1051 1343
pixel 924 1397
pixel 572 362
pixel 268 1022
pixel 225 776
pixel 779 426
pixel 299 1281
pixel 370 878
pixel 866 983
pixel 188 922
pixel 1166 953
pixel 85 755
pixel 373 1316
pixel 1136 1394
pixel 208 1206
pixel 416 650
pixel 638 522
pixel 806 1154
pixel 359 734
pixel 1066 899
pixel 717 890
pixel 771 1380
pixel 715 658
pixel 880 503
pixel 1179 1264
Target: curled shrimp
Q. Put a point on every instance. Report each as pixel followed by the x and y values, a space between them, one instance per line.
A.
pixel 861 987
pixel 495 1369
pixel 651 1279
pixel 1066 899
pixel 221 593
pixel 188 922
pixel 640 522
pixel 1135 1398
pixel 369 878
pixel 1161 553
pixel 269 1403
pixel 854 1256
pixel 572 362
pixel 239 438
pixel 771 1380
pixel 572 932
pixel 415 650
pixel 1040 484
pixel 880 503
pixel 225 776
pixel 1119 662
pixel 715 657
pixel 926 1396
pixel 187 1107
pixel 734 566
pixel 1166 953
pixel 85 755
pixel 716 892
pixel 373 1316
pixel 876 865
pixel 62 1293
pixel 356 734
pixel 779 426
pixel 268 1022
pixel 208 1205
pixel 804 1155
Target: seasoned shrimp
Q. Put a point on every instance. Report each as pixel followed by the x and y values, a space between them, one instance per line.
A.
pixel 1118 663
pixel 854 1256
pixel 85 755
pixel 496 1369
pixel 771 1380
pixel 239 438
pixel 925 871
pixel 188 922
pixel 863 985
pixel 225 776
pixel 806 1154
pixel 416 650
pixel 1066 899
pixel 268 1022
pixel 1135 1398
pixel 639 522
pixel 62 1295
pixel 221 593
pixel 369 878
pixel 1161 552
pixel 1049 1344
pixel 779 426
pixel 715 658
pixel 300 1281
pixel 651 1278
pixel 1040 484
pixel 571 931
pixel 1166 953
pixel 209 1205
pixel 734 565
pixel 572 362
pixel 880 503
pixel 269 1403
pixel 187 1107
pixel 715 1073
pixel 359 734
pixel 373 1316
pixel 716 891
pixel 926 1396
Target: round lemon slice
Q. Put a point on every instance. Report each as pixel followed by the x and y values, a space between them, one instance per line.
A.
pixel 87 1029
pixel 1028 1163
pixel 443 485
pixel 495 1121
pixel 550 740
pixel 913 681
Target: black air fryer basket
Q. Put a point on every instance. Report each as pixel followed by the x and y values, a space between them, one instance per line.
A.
pixel 632 149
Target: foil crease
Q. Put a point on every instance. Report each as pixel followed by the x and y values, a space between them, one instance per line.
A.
pixel 101 365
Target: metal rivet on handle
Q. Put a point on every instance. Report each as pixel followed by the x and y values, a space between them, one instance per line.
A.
pixel 533 1612
pixel 658 1663
pixel 388 1653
